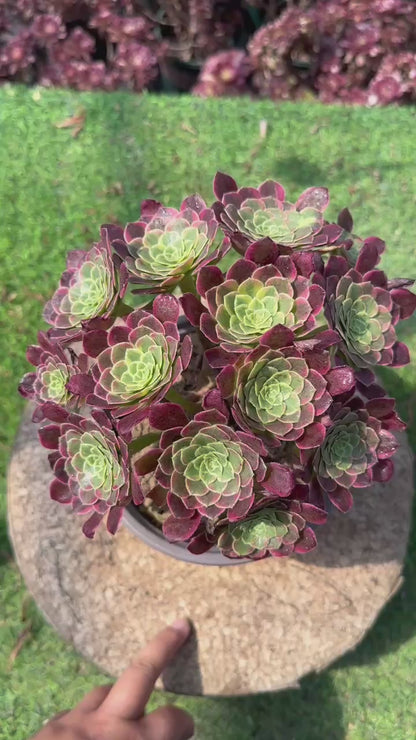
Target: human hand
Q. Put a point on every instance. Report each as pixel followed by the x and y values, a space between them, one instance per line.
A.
pixel 117 712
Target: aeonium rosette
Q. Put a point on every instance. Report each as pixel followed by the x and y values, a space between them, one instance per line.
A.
pixel 55 366
pixel 277 530
pixel 267 305
pixel 89 288
pixel 167 244
pixel 356 451
pixel 209 471
pixel 364 307
pixel 136 361
pixel 282 394
pixel 250 215
pixel 91 467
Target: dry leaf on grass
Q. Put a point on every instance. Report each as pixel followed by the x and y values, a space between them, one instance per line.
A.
pixel 24 637
pixel 76 122
pixel 188 129
pixel 263 130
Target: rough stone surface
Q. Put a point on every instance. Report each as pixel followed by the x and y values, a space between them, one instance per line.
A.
pixel 258 627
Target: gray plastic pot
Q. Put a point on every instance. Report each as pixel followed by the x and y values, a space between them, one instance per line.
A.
pixel 138 525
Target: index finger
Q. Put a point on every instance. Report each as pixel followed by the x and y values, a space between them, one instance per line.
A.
pixel 128 697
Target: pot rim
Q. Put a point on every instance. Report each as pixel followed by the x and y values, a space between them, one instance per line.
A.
pixel 148 533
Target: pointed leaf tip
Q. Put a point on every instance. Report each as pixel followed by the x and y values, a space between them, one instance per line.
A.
pixel 223 184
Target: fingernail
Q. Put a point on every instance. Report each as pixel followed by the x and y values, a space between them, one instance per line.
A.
pixel 182 626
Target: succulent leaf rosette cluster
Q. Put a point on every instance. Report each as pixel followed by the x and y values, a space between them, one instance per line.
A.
pixel 232 407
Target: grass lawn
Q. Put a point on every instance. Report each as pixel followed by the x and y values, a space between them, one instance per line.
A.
pixel 55 191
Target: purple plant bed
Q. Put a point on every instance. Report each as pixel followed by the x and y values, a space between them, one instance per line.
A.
pixel 138 525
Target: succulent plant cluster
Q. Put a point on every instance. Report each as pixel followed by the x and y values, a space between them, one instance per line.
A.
pixel 350 51
pixel 239 404
pixel 354 51
pixel 110 44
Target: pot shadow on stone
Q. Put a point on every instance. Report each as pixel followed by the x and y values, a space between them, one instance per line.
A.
pixel 185 664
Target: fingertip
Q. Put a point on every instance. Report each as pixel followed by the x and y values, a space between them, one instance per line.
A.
pixel 183 626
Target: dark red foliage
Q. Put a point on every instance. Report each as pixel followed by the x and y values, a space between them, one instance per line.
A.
pixel 353 51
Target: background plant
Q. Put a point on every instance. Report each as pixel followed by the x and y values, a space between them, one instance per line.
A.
pixel 352 51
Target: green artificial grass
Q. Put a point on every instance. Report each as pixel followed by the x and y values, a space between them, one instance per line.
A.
pixel 55 191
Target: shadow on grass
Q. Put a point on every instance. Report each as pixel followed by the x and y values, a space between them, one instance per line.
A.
pixel 311 712
pixel 304 174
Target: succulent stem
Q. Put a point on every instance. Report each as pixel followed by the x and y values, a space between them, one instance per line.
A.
pixel 187 284
pixel 175 397
pixel 144 441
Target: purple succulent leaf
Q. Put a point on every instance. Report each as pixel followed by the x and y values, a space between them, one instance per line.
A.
pixel 117 335
pixel 208 277
pixel 178 508
pixel 91 525
pixel 345 220
pixel 218 357
pixel 180 530
pixel 319 361
pixel 192 308
pixel 166 308
pixel 368 257
pixel 147 461
pixel 114 518
pixel 186 351
pixel 279 480
pixel 194 202
pixel 223 184
pixel 49 436
pixel 60 492
pixel 377 278
pixel 312 437
pixel 273 189
pixel 313 514
pixel 306 542
pixel 94 342
pixel 342 499
pixel 401 355
pixel 25 387
pixel 277 337
pixel 211 416
pixel 208 327
pixel 397 283
pixel 241 270
pixel 214 400
pixel 340 380
pixel 262 252
pixel 149 208
pixel 167 415
pixel 34 354
pixel 380 407
pixel 226 380
pixel 317 198
pixel 54 413
pixel 387 446
pixel 130 420
pixel 383 471
pixel 336 265
pixel 81 385
pixel 406 300
pixel 200 544
pixel 241 509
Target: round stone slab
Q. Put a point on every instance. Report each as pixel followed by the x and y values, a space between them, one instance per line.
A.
pixel 258 627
